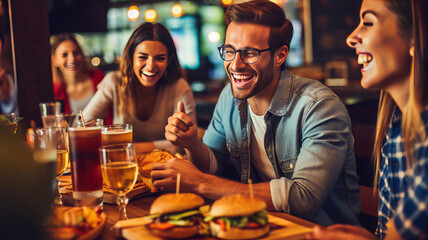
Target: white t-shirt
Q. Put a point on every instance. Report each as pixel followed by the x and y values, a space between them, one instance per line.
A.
pixel 259 157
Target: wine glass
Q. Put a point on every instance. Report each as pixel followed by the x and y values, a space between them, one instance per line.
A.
pixel 119 169
pixel 58 135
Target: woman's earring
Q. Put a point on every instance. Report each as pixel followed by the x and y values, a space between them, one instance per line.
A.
pixel 412 51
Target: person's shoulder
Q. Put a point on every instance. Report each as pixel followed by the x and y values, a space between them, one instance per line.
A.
pixel 182 83
pixel 313 88
pixel 111 79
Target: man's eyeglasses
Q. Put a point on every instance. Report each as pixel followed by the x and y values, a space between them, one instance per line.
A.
pixel 248 55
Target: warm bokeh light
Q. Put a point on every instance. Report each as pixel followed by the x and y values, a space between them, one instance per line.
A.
pixel 214 37
pixel 177 10
pixel 226 2
pixel 95 61
pixel 150 15
pixel 133 13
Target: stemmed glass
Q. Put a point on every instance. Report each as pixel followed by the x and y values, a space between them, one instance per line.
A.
pixel 56 136
pixel 119 169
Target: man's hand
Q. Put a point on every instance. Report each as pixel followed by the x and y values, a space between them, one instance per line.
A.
pixel 180 130
pixel 165 175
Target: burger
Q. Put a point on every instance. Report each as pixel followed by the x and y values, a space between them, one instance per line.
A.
pixel 238 217
pixel 145 165
pixel 176 215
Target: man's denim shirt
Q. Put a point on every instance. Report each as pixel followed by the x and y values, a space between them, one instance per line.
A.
pixel 308 141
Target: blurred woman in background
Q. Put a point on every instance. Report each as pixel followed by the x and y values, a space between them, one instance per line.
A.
pixel 146 89
pixel 75 80
pixel 394 60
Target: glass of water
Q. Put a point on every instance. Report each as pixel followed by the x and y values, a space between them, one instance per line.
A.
pixel 49 110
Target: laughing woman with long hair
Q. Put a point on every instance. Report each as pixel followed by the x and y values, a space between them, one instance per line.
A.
pixel 394 60
pixel 146 89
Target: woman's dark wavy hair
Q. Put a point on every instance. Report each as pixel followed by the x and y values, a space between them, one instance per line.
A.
pixel 263 12
pixel 129 81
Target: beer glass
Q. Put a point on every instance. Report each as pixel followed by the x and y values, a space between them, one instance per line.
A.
pixel 120 170
pixel 118 133
pixel 85 166
pixel 59 136
pixel 48 111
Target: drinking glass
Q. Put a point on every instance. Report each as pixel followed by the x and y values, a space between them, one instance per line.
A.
pixel 59 136
pixel 48 111
pixel 67 119
pixel 45 155
pixel 118 133
pixel 90 123
pixel 120 171
pixel 85 166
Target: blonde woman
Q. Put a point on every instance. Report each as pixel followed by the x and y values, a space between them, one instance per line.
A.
pixel 74 79
pixel 393 59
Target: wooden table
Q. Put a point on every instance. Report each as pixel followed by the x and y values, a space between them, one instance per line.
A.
pixel 141 206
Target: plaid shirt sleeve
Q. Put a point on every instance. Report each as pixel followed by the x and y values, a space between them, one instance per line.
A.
pixel 411 218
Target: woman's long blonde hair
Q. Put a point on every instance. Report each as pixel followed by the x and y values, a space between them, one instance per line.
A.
pixel 129 82
pixel 413 130
pixel 56 41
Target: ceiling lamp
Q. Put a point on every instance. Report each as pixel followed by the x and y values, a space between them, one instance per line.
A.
pixel 177 10
pixel 133 13
pixel 150 15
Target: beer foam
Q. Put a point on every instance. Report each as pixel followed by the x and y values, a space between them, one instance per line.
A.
pixel 45 156
pixel 117 131
pixel 81 129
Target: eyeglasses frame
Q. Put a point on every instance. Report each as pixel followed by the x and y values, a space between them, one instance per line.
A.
pixel 240 50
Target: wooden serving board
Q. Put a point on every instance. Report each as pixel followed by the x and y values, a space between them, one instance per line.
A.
pixel 139 190
pixel 280 229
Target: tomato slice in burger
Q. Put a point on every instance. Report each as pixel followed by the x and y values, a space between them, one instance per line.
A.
pixel 253 225
pixel 222 224
pixel 162 226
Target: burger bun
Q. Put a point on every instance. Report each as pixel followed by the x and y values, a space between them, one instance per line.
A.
pixel 238 233
pixel 236 206
pixel 175 232
pixel 171 203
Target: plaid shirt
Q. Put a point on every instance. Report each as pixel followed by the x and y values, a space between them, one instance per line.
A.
pixel 403 193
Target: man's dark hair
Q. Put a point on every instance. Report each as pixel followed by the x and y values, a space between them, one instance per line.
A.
pixel 263 12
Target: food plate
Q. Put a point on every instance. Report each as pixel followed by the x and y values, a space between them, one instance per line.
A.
pixel 281 229
pixel 75 226
pixel 139 190
pixel 96 231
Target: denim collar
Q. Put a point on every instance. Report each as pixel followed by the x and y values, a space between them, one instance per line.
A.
pixel 281 98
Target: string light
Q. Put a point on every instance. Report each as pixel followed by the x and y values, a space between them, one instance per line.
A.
pixel 150 15
pixel 133 13
pixel 214 37
pixel 177 10
pixel 226 2
pixel 95 61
